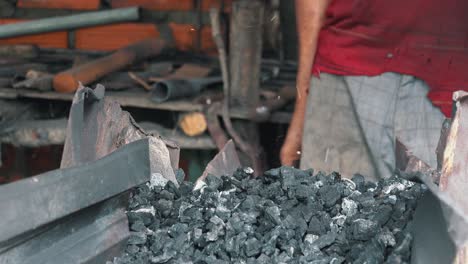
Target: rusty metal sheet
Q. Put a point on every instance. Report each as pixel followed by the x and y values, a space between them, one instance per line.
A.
pixel 226 162
pixel 454 175
pixel 98 126
pixel 444 240
pixel 63 216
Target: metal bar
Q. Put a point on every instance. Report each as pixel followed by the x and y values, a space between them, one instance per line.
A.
pixel 31 203
pixel 69 22
pixel 92 235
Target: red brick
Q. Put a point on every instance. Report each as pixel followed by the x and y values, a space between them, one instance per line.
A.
pixel 112 37
pixel 60 4
pixel 116 36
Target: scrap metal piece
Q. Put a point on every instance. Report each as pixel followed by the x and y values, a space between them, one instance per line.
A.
pixel 92 235
pixel 444 132
pixel 214 126
pixel 69 22
pixel 97 126
pixel 454 178
pixel 33 202
pixel 432 242
pixel 68 81
pixel 225 163
pixel 166 90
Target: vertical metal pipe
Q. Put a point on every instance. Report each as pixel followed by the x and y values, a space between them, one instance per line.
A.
pixel 245 52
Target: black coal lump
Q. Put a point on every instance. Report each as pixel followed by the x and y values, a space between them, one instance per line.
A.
pixel 214 182
pixel 330 195
pixel 180 176
pixel 285 216
pixel 363 229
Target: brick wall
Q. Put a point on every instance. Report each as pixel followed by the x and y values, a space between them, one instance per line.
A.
pixel 112 37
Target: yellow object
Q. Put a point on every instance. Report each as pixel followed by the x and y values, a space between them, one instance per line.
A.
pixel 193 124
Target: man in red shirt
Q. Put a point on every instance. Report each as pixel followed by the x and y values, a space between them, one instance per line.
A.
pixel 374 65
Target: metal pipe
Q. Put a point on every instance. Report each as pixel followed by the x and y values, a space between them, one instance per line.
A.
pixel 69 22
pixel 171 89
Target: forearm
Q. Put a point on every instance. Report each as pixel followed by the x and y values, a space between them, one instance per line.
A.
pixel 310 15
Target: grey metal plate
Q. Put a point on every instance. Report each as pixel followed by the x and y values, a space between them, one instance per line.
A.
pixel 30 203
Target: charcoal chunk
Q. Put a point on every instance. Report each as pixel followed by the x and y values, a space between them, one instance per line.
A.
pixel 285 216
pixel 252 247
pixel 325 240
pixel 138 226
pixel 363 229
pixel 213 182
pixel 180 176
pixel 330 195
pixel 137 238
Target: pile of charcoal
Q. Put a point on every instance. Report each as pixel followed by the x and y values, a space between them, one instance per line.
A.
pixel 286 216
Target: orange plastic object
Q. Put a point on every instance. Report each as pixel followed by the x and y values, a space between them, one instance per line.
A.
pixel 159 5
pixel 60 4
pixel 47 40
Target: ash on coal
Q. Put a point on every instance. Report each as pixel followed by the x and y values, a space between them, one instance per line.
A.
pixel 286 216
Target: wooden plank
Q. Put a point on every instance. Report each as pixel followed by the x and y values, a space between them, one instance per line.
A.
pixel 47 40
pixel 60 4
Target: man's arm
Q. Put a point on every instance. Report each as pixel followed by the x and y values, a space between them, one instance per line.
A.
pixel 310 15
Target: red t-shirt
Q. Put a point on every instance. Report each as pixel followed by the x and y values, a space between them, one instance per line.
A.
pixel 424 38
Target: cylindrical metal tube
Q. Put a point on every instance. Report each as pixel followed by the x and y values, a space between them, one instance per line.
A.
pixel 69 22
pixel 245 52
pixel 166 90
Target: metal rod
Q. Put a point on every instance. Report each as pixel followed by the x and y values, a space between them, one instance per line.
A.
pixel 69 22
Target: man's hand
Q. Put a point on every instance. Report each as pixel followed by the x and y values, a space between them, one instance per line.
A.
pixel 290 153
pixel 291 150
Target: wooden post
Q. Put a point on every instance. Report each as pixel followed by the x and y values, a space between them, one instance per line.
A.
pixel 245 52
